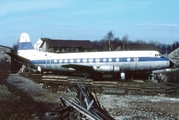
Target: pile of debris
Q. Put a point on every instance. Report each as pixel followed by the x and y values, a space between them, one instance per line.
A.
pixel 84 105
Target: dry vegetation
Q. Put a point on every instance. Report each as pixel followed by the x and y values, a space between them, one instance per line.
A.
pixel 15 104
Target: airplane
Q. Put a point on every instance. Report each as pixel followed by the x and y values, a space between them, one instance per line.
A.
pixel 90 62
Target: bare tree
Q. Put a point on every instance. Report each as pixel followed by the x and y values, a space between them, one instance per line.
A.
pixel 140 42
pixel 15 47
pixel 109 38
pixel 124 40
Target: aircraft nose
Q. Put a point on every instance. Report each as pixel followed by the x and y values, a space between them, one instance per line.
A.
pixel 171 64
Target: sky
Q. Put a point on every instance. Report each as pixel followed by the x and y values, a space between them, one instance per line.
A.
pixel 148 20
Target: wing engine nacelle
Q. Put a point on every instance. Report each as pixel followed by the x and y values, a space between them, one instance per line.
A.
pixel 107 68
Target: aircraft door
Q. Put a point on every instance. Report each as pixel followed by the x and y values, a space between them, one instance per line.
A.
pixel 48 62
pixel 135 63
pixel 116 68
pixel 126 64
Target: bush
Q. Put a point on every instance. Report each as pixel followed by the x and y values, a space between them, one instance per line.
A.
pixel 172 77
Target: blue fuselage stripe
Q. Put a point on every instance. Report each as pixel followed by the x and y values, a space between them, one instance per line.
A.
pixel 97 60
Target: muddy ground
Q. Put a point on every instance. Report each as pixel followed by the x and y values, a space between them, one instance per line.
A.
pixel 121 107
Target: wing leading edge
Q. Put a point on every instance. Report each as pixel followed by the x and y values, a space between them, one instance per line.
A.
pixel 79 67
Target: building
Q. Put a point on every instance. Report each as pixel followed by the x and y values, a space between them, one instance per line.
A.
pixel 61 46
pixel 38 44
pixel 5 60
pixel 7 63
pixel 3 55
pixel 137 47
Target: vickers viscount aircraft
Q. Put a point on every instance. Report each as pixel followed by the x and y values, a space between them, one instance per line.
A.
pixel 91 62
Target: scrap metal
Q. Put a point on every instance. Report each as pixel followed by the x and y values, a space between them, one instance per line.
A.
pixel 84 104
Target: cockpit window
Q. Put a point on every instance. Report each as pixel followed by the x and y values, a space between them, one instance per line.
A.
pixel 158 55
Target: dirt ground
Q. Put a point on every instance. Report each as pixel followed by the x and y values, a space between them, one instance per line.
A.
pixel 131 107
pixel 121 107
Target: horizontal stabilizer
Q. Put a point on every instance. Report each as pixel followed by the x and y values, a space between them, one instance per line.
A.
pixel 19 58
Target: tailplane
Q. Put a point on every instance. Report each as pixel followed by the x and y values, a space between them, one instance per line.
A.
pixel 25 43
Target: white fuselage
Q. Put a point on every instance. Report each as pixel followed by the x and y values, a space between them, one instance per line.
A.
pixel 112 61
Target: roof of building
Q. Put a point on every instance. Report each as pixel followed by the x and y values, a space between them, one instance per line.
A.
pixel 140 47
pixel 67 43
pixel 5 47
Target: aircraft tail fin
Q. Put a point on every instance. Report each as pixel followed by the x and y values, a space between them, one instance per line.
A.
pixel 25 43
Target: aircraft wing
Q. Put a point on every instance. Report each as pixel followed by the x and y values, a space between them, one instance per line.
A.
pixel 174 57
pixel 19 58
pixel 79 67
